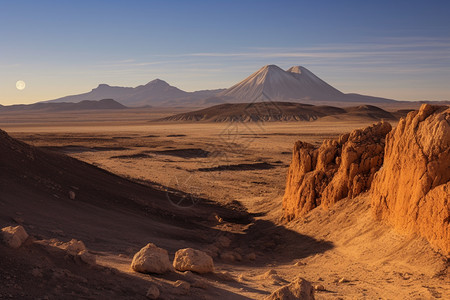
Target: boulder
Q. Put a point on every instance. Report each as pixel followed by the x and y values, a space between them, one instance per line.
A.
pixel 299 289
pixel 151 259
pixel 193 260
pixel 339 168
pixel 412 191
pixel 14 237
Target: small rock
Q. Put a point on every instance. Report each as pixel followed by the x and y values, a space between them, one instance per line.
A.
pixel 123 255
pixel 182 287
pixel 193 260
pixel 153 292
pixel 14 237
pixel 87 257
pixel 73 247
pixel 298 289
pixel 151 259
pixel 241 278
pixel 342 280
pixel 72 195
pixel 319 287
pixel 299 263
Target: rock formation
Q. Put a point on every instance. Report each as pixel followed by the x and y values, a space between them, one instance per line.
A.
pixel 412 190
pixel 337 169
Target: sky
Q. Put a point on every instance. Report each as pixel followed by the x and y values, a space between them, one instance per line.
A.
pixel 394 49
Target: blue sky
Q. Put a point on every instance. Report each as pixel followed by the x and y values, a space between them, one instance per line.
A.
pixel 395 49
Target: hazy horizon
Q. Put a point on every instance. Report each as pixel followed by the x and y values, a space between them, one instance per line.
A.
pixel 395 50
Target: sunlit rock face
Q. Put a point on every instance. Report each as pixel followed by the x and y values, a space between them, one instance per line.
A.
pixel 412 190
pixel 337 169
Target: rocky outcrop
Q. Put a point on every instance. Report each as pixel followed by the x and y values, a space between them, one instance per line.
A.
pixel 193 260
pixel 298 289
pixel 14 237
pixel 151 259
pixel 337 169
pixel 412 190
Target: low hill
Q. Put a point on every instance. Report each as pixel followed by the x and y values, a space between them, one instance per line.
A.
pixel 278 111
pixel 66 106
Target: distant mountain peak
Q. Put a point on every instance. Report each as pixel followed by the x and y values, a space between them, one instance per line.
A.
pixel 158 82
pixel 273 83
pixel 102 85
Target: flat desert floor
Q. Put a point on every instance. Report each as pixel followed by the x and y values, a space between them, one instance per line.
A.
pixel 244 165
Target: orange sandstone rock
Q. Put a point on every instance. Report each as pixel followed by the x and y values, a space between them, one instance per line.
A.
pixel 337 169
pixel 412 190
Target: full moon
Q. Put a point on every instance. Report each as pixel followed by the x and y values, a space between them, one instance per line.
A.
pixel 20 85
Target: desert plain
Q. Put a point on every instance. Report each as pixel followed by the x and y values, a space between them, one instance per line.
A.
pixel 215 187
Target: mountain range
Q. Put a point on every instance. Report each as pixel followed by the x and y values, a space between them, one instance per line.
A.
pixel 65 106
pixel 155 93
pixel 297 84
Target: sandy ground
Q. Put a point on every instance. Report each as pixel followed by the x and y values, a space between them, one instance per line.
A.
pixel 235 165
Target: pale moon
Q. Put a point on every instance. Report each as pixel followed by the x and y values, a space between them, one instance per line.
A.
pixel 20 85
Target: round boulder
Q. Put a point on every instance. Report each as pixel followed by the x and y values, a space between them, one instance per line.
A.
pixel 193 260
pixel 151 259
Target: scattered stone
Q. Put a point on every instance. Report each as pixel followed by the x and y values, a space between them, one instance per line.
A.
pixel 87 257
pixel 298 289
pixel 153 292
pixel 242 278
pixel 299 263
pixel 319 287
pixel 72 195
pixel 121 255
pixel 14 237
pixel 193 260
pixel 343 280
pixel 73 247
pixel 182 287
pixel 151 259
